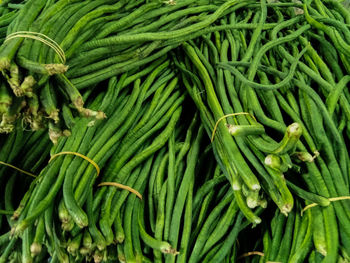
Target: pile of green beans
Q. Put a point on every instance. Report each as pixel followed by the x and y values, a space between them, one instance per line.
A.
pixel 229 118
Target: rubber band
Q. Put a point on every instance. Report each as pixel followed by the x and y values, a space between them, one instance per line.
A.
pixel 80 155
pixel 224 117
pixel 121 186
pixel 42 38
pixel 333 199
pixel 20 170
pixel 252 253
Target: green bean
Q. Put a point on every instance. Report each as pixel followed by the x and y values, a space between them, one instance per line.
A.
pixel 211 29
pixel 274 181
pixel 257 32
pixel 170 186
pixel 229 240
pixel 9 188
pixel 200 241
pixel 266 86
pixel 277 236
pixel 269 97
pixel 4 238
pixel 151 186
pixel 334 95
pixel 186 232
pixel 27 239
pixel 8 250
pixel 86 244
pixel 207 187
pixel 118 229
pixel 78 215
pixel 267 244
pixel 318 235
pixel 74 244
pixel 31 49
pixel 73 20
pixel 96 235
pixel 61 254
pixel 161 35
pixel 336 24
pixel 159 228
pixel 6 19
pixel 221 228
pixel 187 143
pixel 162 246
pixel 302 250
pixel 200 212
pixel 286 243
pixel 128 245
pixel 308 195
pixel 183 190
pixel 36 246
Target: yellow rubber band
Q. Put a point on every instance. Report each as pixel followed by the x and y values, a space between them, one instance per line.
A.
pixel 330 199
pixel 252 253
pixel 20 170
pixel 121 186
pixel 224 117
pixel 80 155
pixel 42 38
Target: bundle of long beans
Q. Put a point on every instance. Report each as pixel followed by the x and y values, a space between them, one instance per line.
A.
pixel 265 126
pixel 146 110
pixel 95 40
pixel 290 73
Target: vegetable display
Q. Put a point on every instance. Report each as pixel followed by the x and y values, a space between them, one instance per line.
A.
pixel 174 131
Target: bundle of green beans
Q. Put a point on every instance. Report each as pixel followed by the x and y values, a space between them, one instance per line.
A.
pixel 294 73
pixel 202 221
pixel 78 44
pixel 142 117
